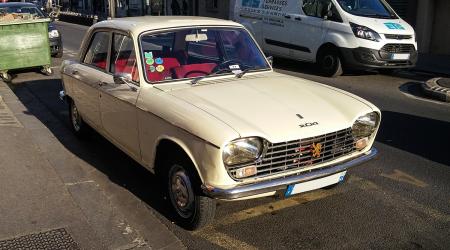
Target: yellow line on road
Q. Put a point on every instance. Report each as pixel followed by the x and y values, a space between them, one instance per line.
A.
pixel 212 235
pixel 275 206
pixel 401 176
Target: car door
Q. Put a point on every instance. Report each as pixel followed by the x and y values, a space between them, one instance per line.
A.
pixel 311 24
pixel 118 101
pixel 275 32
pixel 89 74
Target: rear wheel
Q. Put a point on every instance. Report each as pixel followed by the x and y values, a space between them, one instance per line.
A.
pixel 59 54
pixel 329 62
pixel 78 126
pixel 193 210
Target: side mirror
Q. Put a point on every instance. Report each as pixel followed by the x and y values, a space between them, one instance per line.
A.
pixel 328 15
pixel 270 59
pixel 122 78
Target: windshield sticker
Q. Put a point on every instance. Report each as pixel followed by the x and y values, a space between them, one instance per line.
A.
pixel 148 55
pixel 394 26
pixel 150 61
pixel 152 69
pixel 160 68
pixel 159 60
pixel 234 66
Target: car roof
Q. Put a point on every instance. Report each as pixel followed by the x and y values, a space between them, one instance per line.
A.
pixel 17 4
pixel 137 25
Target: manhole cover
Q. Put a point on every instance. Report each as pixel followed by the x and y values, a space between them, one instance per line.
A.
pixel 7 118
pixel 54 239
pixel 444 82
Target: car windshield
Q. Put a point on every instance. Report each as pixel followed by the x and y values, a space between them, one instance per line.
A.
pixel 194 53
pixel 22 9
pixel 368 8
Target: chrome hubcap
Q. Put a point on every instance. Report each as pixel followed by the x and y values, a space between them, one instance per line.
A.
pixel 181 193
pixel 76 119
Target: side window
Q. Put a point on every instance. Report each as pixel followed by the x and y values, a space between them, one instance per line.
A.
pixel 97 53
pixel 310 7
pixel 123 57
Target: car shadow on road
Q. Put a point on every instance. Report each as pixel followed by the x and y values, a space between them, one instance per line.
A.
pixel 417 135
pixel 41 99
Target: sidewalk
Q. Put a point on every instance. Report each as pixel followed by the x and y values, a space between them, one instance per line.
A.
pixel 50 199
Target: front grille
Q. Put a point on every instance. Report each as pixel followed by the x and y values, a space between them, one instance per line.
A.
pixel 397 37
pixel 398 48
pixel 298 154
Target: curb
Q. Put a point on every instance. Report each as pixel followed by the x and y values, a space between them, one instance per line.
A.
pixel 434 89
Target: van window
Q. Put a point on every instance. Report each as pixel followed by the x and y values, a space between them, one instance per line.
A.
pixel 310 7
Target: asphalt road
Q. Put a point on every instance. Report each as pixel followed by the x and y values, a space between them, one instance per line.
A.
pixel 399 200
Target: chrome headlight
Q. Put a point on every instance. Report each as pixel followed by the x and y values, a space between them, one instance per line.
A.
pixel 365 32
pixel 53 34
pixel 242 151
pixel 365 125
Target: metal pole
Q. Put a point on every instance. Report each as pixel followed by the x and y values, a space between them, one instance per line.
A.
pixel 112 8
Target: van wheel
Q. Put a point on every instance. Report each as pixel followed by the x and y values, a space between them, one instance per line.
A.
pixel 329 62
pixel 192 209
pixel 78 126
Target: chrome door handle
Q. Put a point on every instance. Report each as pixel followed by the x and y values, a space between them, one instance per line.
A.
pixel 287 16
pixel 102 83
pixel 75 72
pixel 298 18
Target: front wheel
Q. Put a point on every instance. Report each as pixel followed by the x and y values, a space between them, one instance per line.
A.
pixel 192 209
pixel 329 62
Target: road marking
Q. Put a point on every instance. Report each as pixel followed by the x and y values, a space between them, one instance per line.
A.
pixel 77 183
pixel 395 200
pixel 220 239
pixel 272 207
pixel 404 177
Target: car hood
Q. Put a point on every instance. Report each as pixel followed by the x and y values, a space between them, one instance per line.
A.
pixel 274 106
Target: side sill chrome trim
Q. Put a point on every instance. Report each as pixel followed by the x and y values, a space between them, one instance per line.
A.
pixel 281 183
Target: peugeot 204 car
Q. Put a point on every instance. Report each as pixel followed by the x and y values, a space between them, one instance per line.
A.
pixel 196 102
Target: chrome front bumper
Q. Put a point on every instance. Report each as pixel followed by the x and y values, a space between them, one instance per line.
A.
pixel 282 183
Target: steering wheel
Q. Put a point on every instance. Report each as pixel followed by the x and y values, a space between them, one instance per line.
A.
pixel 195 72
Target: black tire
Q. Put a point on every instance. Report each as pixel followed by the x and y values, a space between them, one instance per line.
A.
pixel 78 126
pixel 192 209
pixel 329 62
pixel 59 54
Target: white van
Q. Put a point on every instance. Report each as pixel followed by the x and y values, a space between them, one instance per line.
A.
pixel 332 33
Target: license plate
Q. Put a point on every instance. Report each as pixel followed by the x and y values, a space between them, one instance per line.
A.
pixel 315 184
pixel 400 56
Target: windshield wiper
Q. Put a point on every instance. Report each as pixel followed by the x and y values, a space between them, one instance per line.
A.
pixel 197 79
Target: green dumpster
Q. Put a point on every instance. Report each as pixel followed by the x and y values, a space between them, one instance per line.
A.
pixel 24 44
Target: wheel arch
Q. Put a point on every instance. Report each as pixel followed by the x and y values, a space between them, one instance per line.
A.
pixel 168 147
pixel 327 45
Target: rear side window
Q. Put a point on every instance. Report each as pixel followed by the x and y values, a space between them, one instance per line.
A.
pixel 97 53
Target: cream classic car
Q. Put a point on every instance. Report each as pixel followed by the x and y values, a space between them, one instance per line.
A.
pixel 195 101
